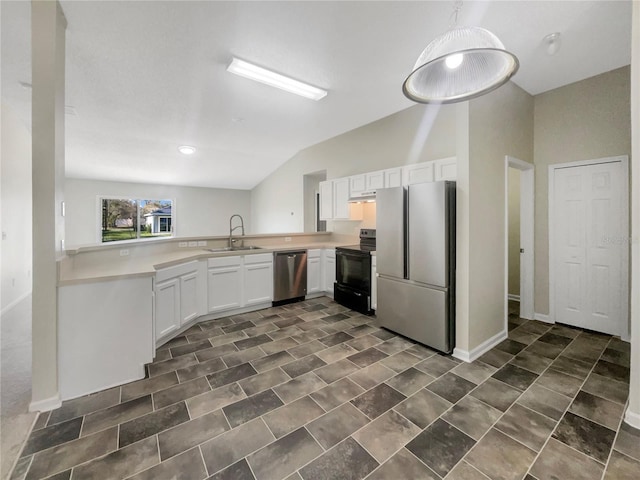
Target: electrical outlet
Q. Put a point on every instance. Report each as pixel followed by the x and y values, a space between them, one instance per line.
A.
pixel 182 244
pixel 193 244
pixel 124 253
pixel 287 239
pixel 202 243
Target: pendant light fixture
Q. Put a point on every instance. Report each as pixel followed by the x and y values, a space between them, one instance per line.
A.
pixel 461 64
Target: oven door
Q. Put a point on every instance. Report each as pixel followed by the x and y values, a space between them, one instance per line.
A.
pixel 353 270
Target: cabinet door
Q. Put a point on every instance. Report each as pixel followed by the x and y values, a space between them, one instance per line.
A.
pixel 314 280
pixel 375 180
pixel 326 200
pixel 188 297
pixel 167 307
pixel 225 288
pixel 418 173
pixel 258 283
pixel 329 270
pixel 357 185
pixel 393 177
pixel 341 199
pixel 446 169
pixel 374 284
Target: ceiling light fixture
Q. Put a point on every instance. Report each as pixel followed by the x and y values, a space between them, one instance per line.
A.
pixel 461 64
pixel 552 43
pixel 186 150
pixel 262 75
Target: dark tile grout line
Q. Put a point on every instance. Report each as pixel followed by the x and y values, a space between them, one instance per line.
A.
pixel 567 409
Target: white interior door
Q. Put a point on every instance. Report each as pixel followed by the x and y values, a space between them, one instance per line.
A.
pixel 590 227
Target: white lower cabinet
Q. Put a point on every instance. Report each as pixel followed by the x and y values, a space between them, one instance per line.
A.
pixel 179 296
pixel 240 281
pixel 314 271
pixel 374 284
pixel 167 307
pixel 258 279
pixel 329 270
pixel 224 283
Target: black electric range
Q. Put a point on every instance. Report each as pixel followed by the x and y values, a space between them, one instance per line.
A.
pixel 353 273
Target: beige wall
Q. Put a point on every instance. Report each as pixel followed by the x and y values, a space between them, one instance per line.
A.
pixel 16 209
pixel 633 411
pixel 514 231
pixel 500 123
pixel 582 121
pixel 198 211
pixel 417 134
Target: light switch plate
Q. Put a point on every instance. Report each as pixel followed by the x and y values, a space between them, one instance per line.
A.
pixel 182 244
pixel 202 243
pixel 193 244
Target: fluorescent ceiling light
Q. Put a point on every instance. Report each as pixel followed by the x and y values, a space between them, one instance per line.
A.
pixel 186 150
pixel 262 75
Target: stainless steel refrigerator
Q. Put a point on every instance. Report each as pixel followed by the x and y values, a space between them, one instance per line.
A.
pixel 416 262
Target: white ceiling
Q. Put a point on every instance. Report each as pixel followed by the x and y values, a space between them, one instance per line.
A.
pixel 145 77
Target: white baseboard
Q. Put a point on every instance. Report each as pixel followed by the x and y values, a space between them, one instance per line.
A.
pixel 15 303
pixel 632 418
pixel 46 404
pixel 481 349
pixel 542 318
pixel 515 298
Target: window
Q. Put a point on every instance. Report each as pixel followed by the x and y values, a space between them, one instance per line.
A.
pixel 132 219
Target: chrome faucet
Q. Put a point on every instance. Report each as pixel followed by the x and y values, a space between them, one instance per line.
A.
pixel 232 228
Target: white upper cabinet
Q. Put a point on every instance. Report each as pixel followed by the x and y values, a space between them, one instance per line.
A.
pixel 393 177
pixel 357 185
pixel 375 180
pixel 326 200
pixel 341 199
pixel 445 169
pixel 418 173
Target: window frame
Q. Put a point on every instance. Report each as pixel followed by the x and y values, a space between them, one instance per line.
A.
pixel 137 199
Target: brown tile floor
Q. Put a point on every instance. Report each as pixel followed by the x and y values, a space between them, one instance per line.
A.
pixel 315 391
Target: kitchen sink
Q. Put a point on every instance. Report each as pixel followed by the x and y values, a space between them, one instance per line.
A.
pixel 232 249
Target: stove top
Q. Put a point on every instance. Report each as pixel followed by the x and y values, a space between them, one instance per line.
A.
pixel 358 248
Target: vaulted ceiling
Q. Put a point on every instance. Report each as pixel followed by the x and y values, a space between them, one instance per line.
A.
pixel 146 77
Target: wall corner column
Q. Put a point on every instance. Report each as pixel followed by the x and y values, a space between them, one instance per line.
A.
pixel 48 27
pixel 632 415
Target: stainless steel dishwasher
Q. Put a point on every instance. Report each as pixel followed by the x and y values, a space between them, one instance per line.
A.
pixel 289 276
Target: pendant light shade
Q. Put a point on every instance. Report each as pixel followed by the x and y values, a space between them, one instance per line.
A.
pixel 459 65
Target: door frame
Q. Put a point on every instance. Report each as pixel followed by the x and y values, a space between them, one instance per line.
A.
pixel 624 327
pixel 527 284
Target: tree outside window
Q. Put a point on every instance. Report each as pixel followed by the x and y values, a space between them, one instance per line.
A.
pixel 131 219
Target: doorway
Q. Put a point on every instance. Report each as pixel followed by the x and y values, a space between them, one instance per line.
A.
pixel 519 221
pixel 589 244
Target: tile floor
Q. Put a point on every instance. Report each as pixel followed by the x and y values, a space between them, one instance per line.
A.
pixel 314 391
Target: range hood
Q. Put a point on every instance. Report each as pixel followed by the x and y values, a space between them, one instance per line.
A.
pixel 366 196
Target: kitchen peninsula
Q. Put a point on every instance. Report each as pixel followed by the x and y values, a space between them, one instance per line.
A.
pixel 117 303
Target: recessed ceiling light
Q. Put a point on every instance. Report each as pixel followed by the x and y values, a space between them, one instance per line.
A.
pixel 552 43
pixel 186 149
pixel 262 75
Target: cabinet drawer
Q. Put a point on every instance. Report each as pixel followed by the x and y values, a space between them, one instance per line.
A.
pixel 314 253
pixel 225 261
pixel 177 271
pixel 258 258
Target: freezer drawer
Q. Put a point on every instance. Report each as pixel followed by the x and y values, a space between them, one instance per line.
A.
pixel 415 311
